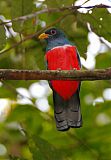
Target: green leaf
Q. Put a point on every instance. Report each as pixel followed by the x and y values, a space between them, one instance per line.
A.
pixel 77 33
pixel 103 60
pixel 18 9
pixel 34 57
pixel 100 20
pixel 58 3
pixel 7 93
pixel 29 116
pixel 42 150
pixel 16 158
pixel 4 8
pixel 2 37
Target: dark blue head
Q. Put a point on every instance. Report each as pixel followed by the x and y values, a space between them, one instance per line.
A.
pixel 54 37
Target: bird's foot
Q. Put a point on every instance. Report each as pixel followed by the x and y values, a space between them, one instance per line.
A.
pixel 58 69
pixel 74 69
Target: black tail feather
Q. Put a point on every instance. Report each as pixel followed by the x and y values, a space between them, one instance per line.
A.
pixel 67 113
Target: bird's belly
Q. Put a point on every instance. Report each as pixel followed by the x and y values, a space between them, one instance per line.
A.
pixel 64 58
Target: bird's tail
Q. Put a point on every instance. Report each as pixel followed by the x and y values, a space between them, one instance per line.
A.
pixel 67 113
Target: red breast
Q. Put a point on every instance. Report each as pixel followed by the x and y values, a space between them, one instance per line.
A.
pixel 64 58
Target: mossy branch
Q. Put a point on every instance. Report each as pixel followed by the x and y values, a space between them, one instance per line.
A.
pixel 83 75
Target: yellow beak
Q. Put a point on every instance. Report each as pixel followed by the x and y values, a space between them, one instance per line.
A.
pixel 43 36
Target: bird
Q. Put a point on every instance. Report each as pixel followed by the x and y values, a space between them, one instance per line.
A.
pixel 61 54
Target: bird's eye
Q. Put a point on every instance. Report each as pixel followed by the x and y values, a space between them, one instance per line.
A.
pixel 53 32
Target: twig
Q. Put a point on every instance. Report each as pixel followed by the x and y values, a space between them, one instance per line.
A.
pixel 52 10
pixel 47 10
pixel 84 75
pixel 35 34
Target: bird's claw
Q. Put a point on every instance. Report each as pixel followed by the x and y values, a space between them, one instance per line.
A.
pixel 58 69
pixel 74 69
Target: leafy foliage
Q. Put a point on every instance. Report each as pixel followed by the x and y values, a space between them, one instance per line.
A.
pixel 26 132
pixel 18 9
pixel 99 22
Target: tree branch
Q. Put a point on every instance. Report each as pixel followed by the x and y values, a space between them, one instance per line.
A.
pixel 34 35
pixel 53 10
pixel 83 75
pixel 47 10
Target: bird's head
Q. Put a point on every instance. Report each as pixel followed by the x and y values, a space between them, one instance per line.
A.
pixel 54 37
pixel 52 34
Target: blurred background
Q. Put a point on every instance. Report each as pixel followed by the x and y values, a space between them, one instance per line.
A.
pixel 27 126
